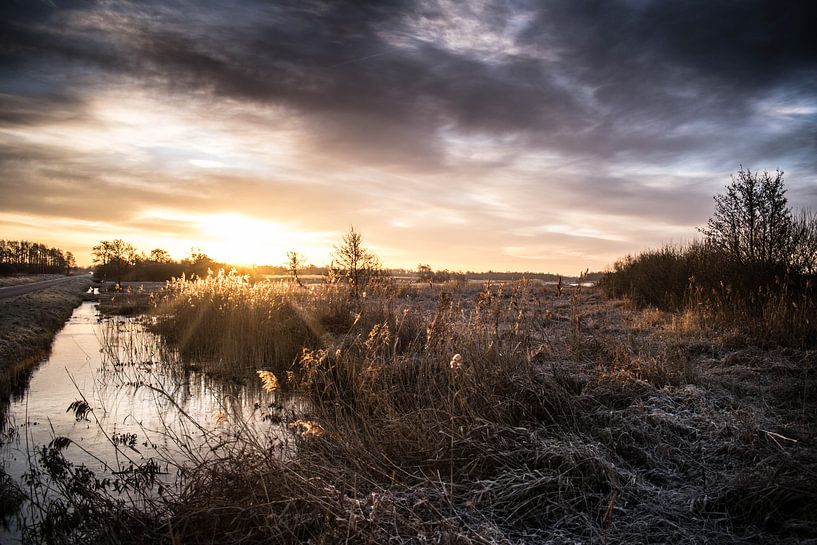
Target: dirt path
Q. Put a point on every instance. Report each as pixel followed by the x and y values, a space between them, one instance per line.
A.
pixel 19 289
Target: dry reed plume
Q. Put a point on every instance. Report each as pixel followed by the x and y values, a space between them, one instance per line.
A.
pixel 485 414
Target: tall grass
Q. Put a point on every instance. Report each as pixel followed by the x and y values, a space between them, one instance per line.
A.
pixel 233 327
pixel 429 423
pixel 771 304
pixel 494 414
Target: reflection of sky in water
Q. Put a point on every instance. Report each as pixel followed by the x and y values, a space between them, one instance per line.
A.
pixel 176 415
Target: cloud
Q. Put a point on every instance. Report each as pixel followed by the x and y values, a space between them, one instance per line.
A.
pixel 470 124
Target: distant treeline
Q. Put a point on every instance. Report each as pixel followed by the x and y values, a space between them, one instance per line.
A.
pixel 424 273
pixel 24 257
pixel 512 276
pixel 117 260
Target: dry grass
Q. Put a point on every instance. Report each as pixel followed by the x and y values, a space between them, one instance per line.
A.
pixel 28 321
pixel 568 419
pixel 765 303
pixel 17 279
pixel 128 299
pixel 233 327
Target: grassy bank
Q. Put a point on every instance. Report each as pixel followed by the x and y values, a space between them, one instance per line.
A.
pixel 17 279
pixel 477 414
pixel 28 324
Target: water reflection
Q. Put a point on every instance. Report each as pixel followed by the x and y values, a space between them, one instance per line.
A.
pixel 142 406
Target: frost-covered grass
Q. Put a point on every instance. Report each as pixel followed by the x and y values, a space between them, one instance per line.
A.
pixel 478 414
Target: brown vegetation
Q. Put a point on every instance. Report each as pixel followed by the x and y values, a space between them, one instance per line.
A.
pixel 497 413
pixel 770 305
pixel 18 279
pixel 754 274
pixel 564 418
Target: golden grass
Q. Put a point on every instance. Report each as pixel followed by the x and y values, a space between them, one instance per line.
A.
pixel 705 288
pixel 483 414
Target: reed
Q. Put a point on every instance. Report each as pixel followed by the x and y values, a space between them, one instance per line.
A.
pixel 766 303
pixel 477 414
pixel 233 327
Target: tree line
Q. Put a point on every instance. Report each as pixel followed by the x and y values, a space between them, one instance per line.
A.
pixel 117 260
pixel 25 257
pixel 351 263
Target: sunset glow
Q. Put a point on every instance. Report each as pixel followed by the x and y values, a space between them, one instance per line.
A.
pixel 408 271
pixel 236 239
pixel 486 135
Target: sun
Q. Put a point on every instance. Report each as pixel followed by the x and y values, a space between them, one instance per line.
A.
pixel 240 240
pixel 235 238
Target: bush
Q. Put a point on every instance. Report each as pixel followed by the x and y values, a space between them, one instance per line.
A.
pixel 755 269
pixel 771 303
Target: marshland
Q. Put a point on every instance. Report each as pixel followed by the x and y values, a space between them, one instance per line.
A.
pixel 370 409
pixel 417 271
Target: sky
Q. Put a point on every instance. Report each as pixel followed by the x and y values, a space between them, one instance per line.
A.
pixel 547 136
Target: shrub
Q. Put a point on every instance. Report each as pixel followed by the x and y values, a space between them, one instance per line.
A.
pixel 770 303
pixel 754 271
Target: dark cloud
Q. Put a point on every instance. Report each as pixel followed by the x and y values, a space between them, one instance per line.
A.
pixel 329 61
pixel 656 66
pixel 610 76
pixel 36 110
pixel 681 47
pixel 606 86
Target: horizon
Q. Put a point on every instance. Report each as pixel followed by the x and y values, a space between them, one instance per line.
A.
pixel 505 136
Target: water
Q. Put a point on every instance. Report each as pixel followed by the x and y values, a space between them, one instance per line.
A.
pixel 160 412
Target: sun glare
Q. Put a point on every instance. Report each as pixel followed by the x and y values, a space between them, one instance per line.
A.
pixel 240 240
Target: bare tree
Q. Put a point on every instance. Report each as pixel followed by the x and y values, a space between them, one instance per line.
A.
pixel 352 262
pixel 294 263
pixel 752 222
pixel 804 248
pixel 425 273
pixel 70 262
pixel 199 262
pixel 30 257
pixel 160 255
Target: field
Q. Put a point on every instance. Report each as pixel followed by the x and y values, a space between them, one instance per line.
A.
pixel 16 280
pixel 474 413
